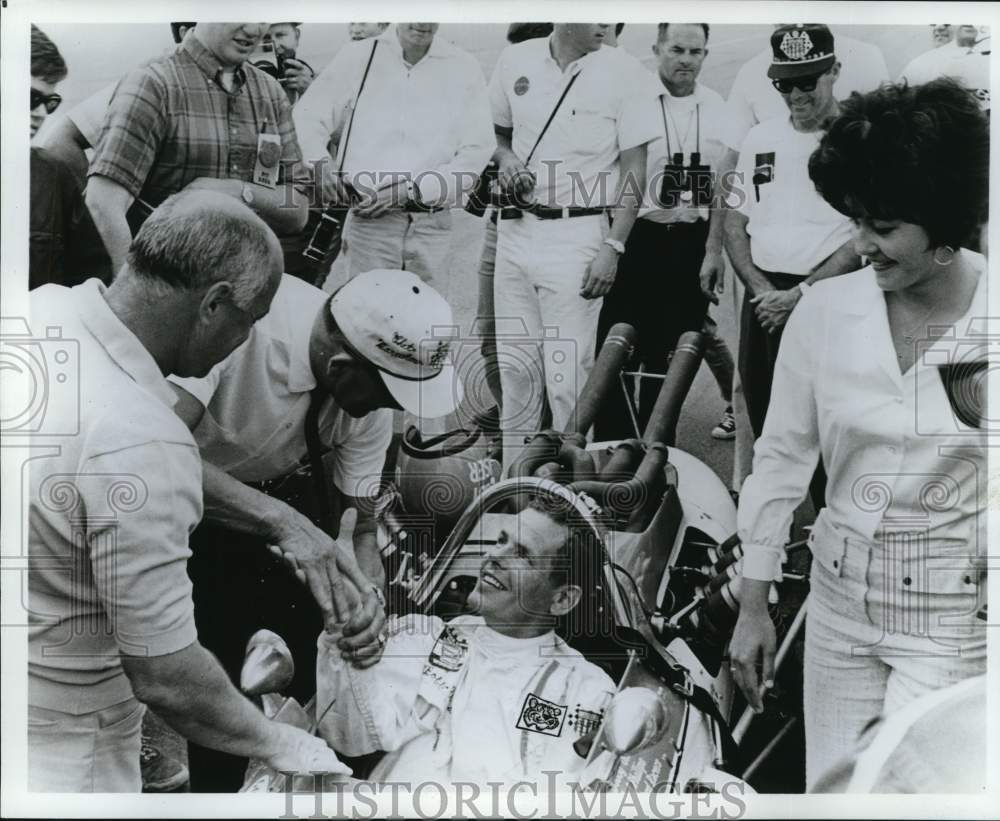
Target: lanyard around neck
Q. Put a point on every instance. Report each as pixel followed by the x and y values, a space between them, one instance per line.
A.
pixel 666 131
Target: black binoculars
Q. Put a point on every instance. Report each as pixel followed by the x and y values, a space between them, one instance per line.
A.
pixel 686 186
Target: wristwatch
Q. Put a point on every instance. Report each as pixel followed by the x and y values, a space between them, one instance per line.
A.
pixel 804 287
pixel 613 243
pixel 247 194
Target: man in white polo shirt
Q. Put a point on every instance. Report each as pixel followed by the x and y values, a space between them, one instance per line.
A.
pixel 420 133
pixel 752 99
pixel 303 405
pixel 116 493
pixel 557 256
pixel 784 236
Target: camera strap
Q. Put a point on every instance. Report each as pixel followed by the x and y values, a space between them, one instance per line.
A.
pixel 350 122
pixel 552 116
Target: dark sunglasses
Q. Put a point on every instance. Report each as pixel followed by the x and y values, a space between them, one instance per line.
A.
pixel 805 83
pixel 50 101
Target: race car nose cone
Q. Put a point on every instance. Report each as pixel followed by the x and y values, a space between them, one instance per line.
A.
pixel 268 666
pixel 636 717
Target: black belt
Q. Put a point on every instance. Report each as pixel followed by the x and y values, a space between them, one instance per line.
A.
pixel 543 212
pixel 281 485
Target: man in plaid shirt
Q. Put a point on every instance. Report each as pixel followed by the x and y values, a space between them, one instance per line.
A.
pixel 199 118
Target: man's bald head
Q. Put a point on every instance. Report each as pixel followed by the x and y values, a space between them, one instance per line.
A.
pixel 197 238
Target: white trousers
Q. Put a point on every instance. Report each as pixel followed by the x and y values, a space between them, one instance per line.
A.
pixel 93 752
pixel 545 329
pixel 871 647
pixel 414 242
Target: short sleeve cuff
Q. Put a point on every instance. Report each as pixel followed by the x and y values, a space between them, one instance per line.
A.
pixel 116 174
pixel 762 563
pixel 162 644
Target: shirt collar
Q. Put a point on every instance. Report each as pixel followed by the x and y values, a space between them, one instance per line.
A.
pixel 210 65
pixel 438 48
pixel 498 644
pixel 577 62
pixel 119 342
pixel 695 95
pixel 301 378
pixel 974 324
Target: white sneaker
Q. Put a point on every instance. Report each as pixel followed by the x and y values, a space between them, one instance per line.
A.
pixel 726 429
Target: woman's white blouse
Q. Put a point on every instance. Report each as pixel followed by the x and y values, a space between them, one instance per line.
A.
pixel 898 458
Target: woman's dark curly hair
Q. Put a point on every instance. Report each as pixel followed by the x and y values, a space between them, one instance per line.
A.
pixel 919 154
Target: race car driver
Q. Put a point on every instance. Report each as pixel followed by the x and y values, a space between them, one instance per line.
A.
pixel 495 696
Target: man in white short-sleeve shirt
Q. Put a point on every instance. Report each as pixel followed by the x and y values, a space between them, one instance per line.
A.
pixel 752 99
pixel 677 240
pixel 114 494
pixel 557 256
pixel 935 63
pixel 318 369
pixel 783 236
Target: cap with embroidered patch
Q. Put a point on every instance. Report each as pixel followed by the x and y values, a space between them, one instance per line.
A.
pixel 800 50
pixel 403 327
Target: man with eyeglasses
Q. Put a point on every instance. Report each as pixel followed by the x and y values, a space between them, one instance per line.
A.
pixel 309 397
pixel 64 246
pixel 48 69
pixel 783 236
pixel 202 117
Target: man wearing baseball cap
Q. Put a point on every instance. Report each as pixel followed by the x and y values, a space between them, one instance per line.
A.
pixel 783 236
pixel 293 429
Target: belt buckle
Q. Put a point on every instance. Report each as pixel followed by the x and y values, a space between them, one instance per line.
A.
pixel 565 212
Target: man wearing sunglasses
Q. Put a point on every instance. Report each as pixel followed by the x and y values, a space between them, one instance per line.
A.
pixel 64 246
pixel 314 383
pixel 48 69
pixel 783 236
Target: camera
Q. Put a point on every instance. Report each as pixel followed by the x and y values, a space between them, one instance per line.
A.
pixel 488 193
pixel 271 61
pixel 325 230
pixel 41 381
pixel 481 196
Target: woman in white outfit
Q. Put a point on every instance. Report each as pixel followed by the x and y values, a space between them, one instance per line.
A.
pixel 878 373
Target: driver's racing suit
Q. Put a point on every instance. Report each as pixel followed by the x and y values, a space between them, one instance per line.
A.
pixel 462 702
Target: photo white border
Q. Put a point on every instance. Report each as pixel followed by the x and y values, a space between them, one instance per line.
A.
pixel 14 31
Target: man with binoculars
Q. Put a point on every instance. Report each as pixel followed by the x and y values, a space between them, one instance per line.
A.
pixel 677 237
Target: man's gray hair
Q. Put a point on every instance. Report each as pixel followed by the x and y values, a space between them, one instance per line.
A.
pixel 197 238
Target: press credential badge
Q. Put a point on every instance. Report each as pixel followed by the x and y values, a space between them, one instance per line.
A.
pixel 265 170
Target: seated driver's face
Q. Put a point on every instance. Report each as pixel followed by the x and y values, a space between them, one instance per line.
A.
pixel 516 586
